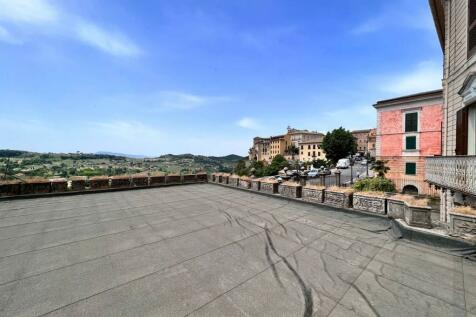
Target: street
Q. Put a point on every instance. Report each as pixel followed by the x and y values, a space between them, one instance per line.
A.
pixel 358 170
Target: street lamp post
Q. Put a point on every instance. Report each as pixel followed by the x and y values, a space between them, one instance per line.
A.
pixel 351 171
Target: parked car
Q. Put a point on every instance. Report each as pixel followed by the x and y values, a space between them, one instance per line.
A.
pixel 364 162
pixel 324 171
pixel 343 163
pixel 313 173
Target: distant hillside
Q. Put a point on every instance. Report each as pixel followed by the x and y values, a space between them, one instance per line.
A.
pixel 24 163
pixel 136 156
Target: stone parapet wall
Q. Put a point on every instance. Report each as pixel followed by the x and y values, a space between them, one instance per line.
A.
pixel 202 177
pixel 189 178
pixel 78 183
pixel 270 188
pixel 173 179
pixel 255 185
pixel 370 204
pixel 313 195
pixel 243 183
pixel 233 181
pixel 290 191
pixel 10 189
pixel 462 225
pixel 156 180
pixel 59 185
pixel 120 181
pixel 99 182
pixel 140 181
pixel 395 209
pixel 96 183
pixel 338 199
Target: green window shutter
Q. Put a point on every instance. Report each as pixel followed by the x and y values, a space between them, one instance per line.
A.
pixel 411 122
pixel 410 143
pixel 410 168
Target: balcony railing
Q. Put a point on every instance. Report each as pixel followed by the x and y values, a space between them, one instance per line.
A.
pixel 456 173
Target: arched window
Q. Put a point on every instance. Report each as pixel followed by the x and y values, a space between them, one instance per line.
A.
pixel 410 190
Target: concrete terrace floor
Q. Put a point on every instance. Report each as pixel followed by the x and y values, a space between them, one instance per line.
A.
pixel 206 250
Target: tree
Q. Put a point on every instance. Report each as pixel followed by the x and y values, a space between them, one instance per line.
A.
pixel 320 162
pixel 277 164
pixel 257 168
pixel 380 168
pixel 339 144
pixel 292 150
pixel 240 168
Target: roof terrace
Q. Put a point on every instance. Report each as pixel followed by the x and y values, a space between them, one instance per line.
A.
pixel 207 250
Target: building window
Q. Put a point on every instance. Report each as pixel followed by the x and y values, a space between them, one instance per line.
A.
pixel 410 168
pixel 466 131
pixel 471 28
pixel 410 143
pixel 308 153
pixel 318 153
pixel 309 147
pixel 302 147
pixel 313 146
pixel 313 153
pixel 411 122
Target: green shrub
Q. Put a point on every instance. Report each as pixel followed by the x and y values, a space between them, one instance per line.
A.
pixel 377 184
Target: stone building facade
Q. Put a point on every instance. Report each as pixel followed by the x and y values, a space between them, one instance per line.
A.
pixel 310 151
pixel 409 128
pixel 455 171
pixel 362 139
pixel 265 149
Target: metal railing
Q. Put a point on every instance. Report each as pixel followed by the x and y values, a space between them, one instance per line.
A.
pixel 456 173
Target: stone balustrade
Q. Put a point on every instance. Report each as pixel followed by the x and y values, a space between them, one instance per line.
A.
pixel 457 173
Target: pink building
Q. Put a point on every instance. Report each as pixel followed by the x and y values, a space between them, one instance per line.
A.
pixel 409 129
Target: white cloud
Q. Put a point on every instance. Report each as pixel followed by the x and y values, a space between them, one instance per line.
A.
pixel 7 37
pixel 39 17
pixel 248 123
pixel 127 130
pixel 165 100
pixel 181 100
pixel 425 76
pixel 404 17
pixel 27 11
pixel 110 42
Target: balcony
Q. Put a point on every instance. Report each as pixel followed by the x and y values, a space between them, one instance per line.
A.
pixel 456 173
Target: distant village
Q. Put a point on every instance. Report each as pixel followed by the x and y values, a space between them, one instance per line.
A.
pixel 305 145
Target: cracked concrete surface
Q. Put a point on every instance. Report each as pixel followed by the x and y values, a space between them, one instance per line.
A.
pixel 205 250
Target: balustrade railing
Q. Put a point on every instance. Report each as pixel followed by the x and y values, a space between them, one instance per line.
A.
pixel 452 172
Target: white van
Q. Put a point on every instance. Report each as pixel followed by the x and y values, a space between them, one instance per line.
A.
pixel 343 163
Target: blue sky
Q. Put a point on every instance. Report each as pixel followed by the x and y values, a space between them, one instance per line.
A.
pixel 153 77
